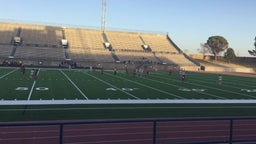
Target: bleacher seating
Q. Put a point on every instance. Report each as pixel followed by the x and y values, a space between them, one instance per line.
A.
pixel 5 50
pixel 43 42
pixel 124 40
pixel 44 36
pixel 84 38
pixel 24 52
pixel 158 43
pixel 136 56
pixel 86 45
pixel 82 54
pixel 7 32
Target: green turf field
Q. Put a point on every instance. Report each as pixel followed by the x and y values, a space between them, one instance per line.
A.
pixel 81 94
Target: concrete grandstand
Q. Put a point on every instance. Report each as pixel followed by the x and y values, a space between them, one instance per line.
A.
pixel 43 45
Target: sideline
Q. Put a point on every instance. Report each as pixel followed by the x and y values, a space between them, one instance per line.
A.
pixel 140 101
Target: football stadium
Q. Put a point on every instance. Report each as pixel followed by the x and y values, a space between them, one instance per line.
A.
pixel 78 85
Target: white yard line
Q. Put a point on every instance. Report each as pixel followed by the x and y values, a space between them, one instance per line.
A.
pixel 113 86
pixel 151 87
pixel 222 90
pixel 32 88
pixel 217 89
pixel 8 73
pixel 74 85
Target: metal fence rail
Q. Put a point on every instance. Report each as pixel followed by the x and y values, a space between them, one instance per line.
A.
pixel 137 131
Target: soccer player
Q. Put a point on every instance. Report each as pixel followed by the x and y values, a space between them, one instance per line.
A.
pixel 32 73
pixel 148 72
pixel 35 74
pixel 115 71
pixel 126 69
pixel 170 71
pixel 220 79
pixel 134 73
pixel 183 76
pixel 101 70
pixel 23 70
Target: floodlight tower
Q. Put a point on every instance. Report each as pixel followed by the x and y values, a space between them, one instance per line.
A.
pixel 255 43
pixel 103 19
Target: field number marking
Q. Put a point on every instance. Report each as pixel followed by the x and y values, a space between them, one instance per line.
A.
pixel 195 90
pixel 124 89
pixel 21 88
pixel 42 88
pixel 248 90
pixel 26 88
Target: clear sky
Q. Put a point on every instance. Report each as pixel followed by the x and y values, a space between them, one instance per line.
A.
pixel 188 22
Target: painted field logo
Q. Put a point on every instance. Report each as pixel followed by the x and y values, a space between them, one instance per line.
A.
pixel 193 89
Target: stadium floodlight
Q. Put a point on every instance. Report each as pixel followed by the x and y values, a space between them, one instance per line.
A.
pixel 255 42
pixel 103 20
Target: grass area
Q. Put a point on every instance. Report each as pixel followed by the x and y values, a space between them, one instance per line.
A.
pixel 54 84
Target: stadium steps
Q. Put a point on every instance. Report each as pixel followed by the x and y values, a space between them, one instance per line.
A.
pixel 19 32
pixel 13 52
pixel 159 59
pixel 115 57
pixel 63 34
pixel 104 36
pixel 142 40
pixel 105 39
pixel 180 51
pixel 67 55
pixel 143 46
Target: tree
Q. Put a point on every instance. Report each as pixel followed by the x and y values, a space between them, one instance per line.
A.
pixel 204 49
pixel 229 54
pixel 217 44
pixel 253 52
